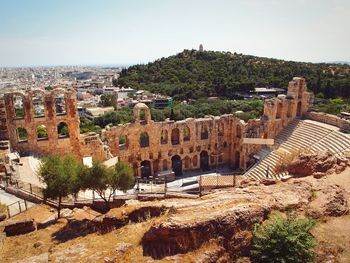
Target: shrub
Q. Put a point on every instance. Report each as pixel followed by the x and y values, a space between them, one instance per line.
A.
pixel 283 240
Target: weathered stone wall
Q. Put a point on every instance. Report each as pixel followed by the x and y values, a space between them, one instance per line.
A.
pixel 329 119
pixel 148 146
pixel 223 145
pixel 194 143
pixel 278 112
pixel 3 120
pixel 50 119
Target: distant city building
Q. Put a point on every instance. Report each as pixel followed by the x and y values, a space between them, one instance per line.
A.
pixel 267 92
pixel 91 113
pixel 123 93
pixel 161 103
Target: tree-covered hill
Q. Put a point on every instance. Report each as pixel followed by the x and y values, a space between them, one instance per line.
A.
pixel 194 74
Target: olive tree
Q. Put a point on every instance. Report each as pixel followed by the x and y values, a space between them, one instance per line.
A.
pixel 281 240
pixel 61 177
pixel 106 180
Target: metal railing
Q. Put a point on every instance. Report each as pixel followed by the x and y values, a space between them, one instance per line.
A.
pixel 16 208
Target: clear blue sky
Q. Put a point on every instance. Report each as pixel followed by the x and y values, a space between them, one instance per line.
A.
pixel 62 32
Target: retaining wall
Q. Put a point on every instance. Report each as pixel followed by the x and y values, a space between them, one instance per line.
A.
pixel 329 119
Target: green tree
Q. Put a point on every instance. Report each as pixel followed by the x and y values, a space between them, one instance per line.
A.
pixel 19 112
pixel 282 240
pixel 41 131
pixel 193 75
pixel 125 176
pixel 61 177
pixel 107 100
pixel 88 126
pixel 62 129
pixel 105 181
pixel 22 134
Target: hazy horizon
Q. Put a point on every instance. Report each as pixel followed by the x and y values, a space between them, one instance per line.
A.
pixel 87 32
pixel 122 65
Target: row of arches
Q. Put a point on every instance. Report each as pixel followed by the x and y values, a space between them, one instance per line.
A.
pixel 177 164
pixel 42 132
pixel 174 136
pixel 59 104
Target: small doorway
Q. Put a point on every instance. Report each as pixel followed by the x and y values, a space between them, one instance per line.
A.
pixel 204 161
pixel 176 163
pixel 237 159
pixel 145 169
pixel 299 109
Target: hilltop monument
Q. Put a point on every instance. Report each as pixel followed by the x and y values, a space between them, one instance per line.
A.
pixel 201 48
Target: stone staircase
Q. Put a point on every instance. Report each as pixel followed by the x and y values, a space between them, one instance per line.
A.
pixel 298 136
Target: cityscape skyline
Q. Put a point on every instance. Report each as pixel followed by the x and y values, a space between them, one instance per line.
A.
pixel 54 33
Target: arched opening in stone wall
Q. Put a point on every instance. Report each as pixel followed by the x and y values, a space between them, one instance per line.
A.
pixel 238 131
pixel 176 164
pixel 175 136
pixel 186 134
pixel 299 109
pixel 220 159
pixel 221 129
pixel 279 110
pixel 165 165
pixel 164 137
pixel 62 130
pixel 144 140
pixel 145 169
pixel 143 118
pixel 142 113
pixel 204 161
pixel 204 132
pixel 60 104
pixel 41 132
pixel 300 89
pixel 38 105
pixel 195 161
pixel 237 159
pixel 187 162
pixel 22 135
pixel 155 166
pixel 212 159
pixel 123 142
pixel 18 103
pixel 289 111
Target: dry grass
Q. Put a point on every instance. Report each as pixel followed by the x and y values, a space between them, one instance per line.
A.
pixel 2 208
pixel 333 234
pixel 333 237
pixel 91 248
pixel 39 213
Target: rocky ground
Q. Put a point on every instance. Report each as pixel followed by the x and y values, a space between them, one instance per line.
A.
pixel 213 228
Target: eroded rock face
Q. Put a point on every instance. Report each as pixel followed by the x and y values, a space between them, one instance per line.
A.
pixel 20 227
pixel 178 236
pixel 317 164
pixel 330 201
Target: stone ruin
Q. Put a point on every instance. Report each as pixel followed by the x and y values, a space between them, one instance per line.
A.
pixel 31 130
pixel 147 146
